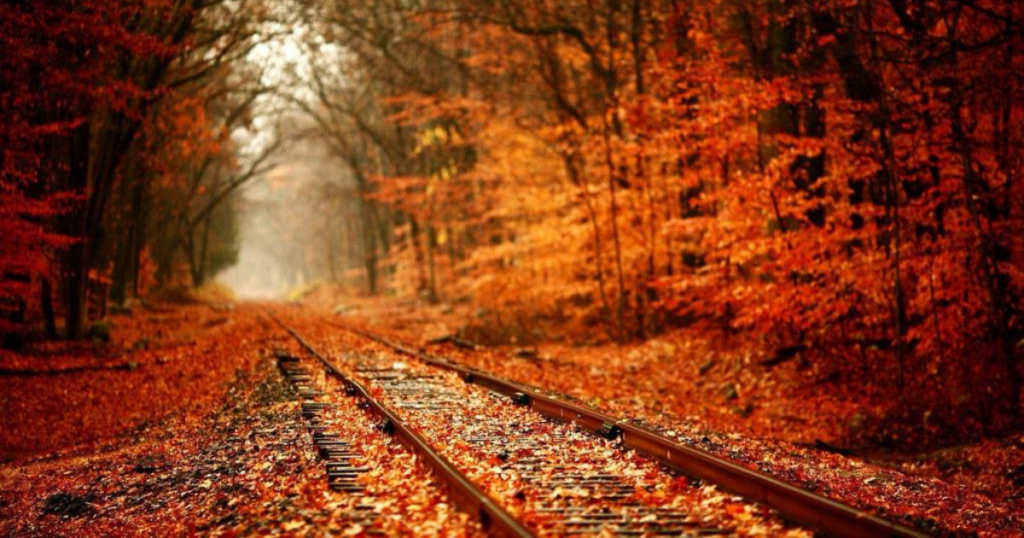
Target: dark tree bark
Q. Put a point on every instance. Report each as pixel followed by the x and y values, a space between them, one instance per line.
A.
pixel 76 258
pixel 46 299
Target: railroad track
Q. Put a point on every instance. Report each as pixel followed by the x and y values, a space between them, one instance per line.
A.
pixel 342 476
pixel 368 478
pixel 570 475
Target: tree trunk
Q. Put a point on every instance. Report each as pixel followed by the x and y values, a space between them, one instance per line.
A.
pixel 193 263
pixel 126 257
pixel 119 285
pixel 46 300
pixel 16 338
pixel 203 253
pixel 139 222
pixel 991 276
pixel 369 247
pixel 77 260
pixel 574 175
pixel 431 267
pixel 417 252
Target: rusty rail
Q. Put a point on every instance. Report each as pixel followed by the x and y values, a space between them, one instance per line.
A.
pixel 466 495
pixel 825 515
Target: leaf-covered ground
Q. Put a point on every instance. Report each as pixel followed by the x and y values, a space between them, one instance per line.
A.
pixel 58 394
pixel 755 417
pixel 203 436
pixel 470 428
pixel 181 424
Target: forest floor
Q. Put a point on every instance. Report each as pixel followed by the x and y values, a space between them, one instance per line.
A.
pixel 177 425
pixel 781 420
pixel 193 432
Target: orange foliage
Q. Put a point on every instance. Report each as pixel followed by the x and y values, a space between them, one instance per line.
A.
pixel 837 175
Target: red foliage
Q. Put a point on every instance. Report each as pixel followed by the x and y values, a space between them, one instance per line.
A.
pixel 58 72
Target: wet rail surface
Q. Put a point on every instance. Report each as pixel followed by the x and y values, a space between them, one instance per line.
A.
pixel 528 474
pixel 826 516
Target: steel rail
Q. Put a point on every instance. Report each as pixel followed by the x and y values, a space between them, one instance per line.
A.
pixel 825 515
pixel 463 492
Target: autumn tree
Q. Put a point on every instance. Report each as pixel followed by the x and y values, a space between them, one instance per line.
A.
pixel 77 169
pixel 833 177
pixel 48 129
pixel 191 156
pixel 382 56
